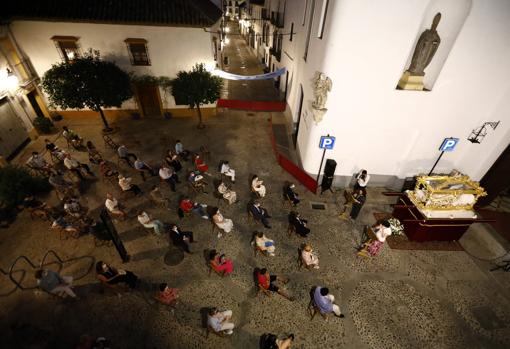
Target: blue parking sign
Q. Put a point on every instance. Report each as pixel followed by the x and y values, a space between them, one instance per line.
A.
pixel 449 144
pixel 327 142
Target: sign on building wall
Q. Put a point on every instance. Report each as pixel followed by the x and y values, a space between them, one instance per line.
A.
pixel 449 144
pixel 327 142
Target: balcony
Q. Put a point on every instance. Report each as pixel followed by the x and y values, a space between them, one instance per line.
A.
pixel 25 72
pixel 277 19
pixel 275 53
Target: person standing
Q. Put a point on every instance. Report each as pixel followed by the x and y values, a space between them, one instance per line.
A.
pixel 359 197
pixel 362 179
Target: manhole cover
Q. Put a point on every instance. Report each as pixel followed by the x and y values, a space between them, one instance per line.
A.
pixel 487 318
pixel 318 205
pixel 174 256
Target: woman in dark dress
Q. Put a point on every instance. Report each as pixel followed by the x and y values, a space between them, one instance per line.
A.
pixel 112 276
pixel 173 161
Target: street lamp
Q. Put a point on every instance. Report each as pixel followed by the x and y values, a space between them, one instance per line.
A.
pixel 479 133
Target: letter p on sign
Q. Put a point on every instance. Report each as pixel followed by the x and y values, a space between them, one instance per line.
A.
pixel 449 144
pixel 327 142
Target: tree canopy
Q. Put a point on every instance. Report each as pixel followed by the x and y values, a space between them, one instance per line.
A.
pixel 196 87
pixel 87 82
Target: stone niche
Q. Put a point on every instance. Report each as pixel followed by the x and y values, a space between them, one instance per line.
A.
pixel 452 18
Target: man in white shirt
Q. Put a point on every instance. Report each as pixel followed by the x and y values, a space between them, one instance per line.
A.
pixel 148 222
pixel 126 185
pixel 179 150
pixel 112 205
pixel 362 179
pixel 74 166
pixel 220 321
pixel 227 171
pixel 169 176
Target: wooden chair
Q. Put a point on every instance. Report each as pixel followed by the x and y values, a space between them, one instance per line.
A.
pixel 286 201
pixel 110 143
pixel 349 200
pixel 291 229
pixel 263 290
pixel 312 307
pixel 205 154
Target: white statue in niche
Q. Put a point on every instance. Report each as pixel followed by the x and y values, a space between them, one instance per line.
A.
pixel 321 85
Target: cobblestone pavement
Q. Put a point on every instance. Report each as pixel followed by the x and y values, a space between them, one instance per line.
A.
pixel 400 299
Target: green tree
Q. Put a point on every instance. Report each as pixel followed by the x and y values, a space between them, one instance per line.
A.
pixel 87 82
pixel 196 87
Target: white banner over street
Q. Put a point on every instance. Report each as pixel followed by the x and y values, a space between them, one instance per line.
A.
pixel 229 76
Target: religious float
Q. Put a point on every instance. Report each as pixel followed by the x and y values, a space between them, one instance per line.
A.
pixel 440 208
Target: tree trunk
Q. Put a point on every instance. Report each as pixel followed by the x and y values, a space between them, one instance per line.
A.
pixel 107 127
pixel 200 123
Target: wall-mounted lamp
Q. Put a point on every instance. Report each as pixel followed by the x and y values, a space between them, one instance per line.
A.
pixel 479 133
pixel 8 81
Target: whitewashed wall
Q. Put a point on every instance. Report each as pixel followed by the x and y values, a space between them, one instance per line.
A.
pixel 364 50
pixel 171 49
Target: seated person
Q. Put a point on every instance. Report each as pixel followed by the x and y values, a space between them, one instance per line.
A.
pixel 57 180
pixel 227 193
pixel 224 224
pixel 324 301
pixel 51 147
pixel 271 341
pixel 169 176
pixel 124 154
pixel 299 224
pixel 173 161
pixel 126 185
pixel 372 247
pixel 61 223
pixel 257 186
pixel 181 238
pixel 219 321
pixel 264 244
pixel 52 282
pixel 72 137
pixel 290 194
pixel 148 222
pixel 34 205
pixel 112 276
pixel 73 208
pixel 197 181
pixel 309 258
pixel 37 162
pixel 166 295
pixel 179 150
pixel 359 197
pixel 200 164
pixel 186 205
pixel 226 170
pixel 113 206
pixel 158 197
pixel 75 166
pixel 106 170
pixel 220 263
pixel 259 213
pixel 142 167
pixel 266 283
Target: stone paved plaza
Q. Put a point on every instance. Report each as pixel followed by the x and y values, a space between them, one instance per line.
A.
pixel 400 299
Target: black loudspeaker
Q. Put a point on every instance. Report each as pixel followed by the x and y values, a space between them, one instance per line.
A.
pixel 329 168
pixel 329 173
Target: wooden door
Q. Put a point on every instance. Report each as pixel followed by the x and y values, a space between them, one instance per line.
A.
pixel 150 102
pixel 497 178
pixel 12 132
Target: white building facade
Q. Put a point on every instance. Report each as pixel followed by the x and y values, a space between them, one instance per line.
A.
pixel 364 47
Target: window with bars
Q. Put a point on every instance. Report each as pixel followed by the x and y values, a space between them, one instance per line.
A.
pixel 67 47
pixel 138 51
